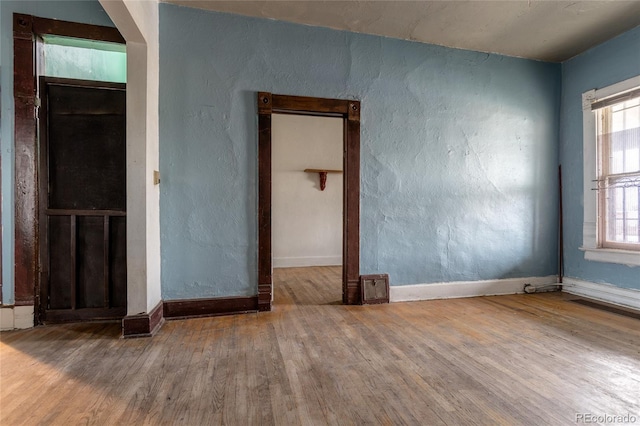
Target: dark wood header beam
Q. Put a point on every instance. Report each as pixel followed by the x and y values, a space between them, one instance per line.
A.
pixel 43 26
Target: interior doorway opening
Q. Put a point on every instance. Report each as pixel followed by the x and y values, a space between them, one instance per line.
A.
pixel 307 211
pixel 348 111
pixel 82 179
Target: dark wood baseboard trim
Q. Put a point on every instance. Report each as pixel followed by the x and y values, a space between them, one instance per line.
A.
pixel 353 292
pixel 146 325
pixel 194 308
pixel 264 297
pixel 53 316
pixel 143 325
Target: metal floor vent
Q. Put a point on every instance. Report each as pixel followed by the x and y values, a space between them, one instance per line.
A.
pixel 374 289
pixel 608 308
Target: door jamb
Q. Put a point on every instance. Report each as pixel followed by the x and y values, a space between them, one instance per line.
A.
pixel 349 111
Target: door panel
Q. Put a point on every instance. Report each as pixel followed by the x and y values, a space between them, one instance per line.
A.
pixel 59 264
pixel 86 148
pixel 118 264
pixel 82 200
pixel 90 262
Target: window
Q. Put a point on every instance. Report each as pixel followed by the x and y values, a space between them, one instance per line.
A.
pixel 611 231
pixel 618 139
pixel 84 59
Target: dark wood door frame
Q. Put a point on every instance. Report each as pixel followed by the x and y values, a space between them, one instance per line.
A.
pixel 349 111
pixel 26 31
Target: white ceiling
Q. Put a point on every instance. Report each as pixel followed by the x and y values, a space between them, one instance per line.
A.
pixel 547 30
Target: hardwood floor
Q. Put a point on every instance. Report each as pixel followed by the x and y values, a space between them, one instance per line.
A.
pixel 522 359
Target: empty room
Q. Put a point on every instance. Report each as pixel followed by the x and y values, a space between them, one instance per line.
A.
pixel 320 212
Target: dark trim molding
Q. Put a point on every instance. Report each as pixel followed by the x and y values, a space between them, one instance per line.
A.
pixel 195 308
pixel 349 111
pixel 26 29
pixel 351 194
pixel 46 26
pixel 85 314
pixel 26 149
pixel 143 325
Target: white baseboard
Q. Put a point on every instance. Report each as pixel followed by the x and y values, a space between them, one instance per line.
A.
pixel 456 289
pixel 605 292
pixel 297 262
pixel 16 317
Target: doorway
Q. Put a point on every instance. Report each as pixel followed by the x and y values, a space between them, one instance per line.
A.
pixel 349 112
pixel 82 204
pixel 29 33
pixel 307 156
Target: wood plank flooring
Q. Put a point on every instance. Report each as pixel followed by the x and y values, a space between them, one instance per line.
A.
pixel 522 359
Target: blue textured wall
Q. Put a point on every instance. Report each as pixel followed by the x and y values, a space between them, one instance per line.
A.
pixel 459 150
pixel 85 11
pixel 609 63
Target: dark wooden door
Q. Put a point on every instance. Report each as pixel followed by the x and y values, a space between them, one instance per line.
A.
pixel 82 235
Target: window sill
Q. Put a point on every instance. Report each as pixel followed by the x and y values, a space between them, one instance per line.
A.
pixel 624 257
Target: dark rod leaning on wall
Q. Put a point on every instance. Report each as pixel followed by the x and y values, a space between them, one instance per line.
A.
pixel 560 231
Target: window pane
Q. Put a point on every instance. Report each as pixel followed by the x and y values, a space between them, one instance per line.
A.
pixel 619 171
pixel 624 135
pixel 622 212
pixel 631 224
pixel 632 118
pixel 84 63
pixel 619 125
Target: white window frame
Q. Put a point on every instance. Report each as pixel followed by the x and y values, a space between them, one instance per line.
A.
pixel 590 166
